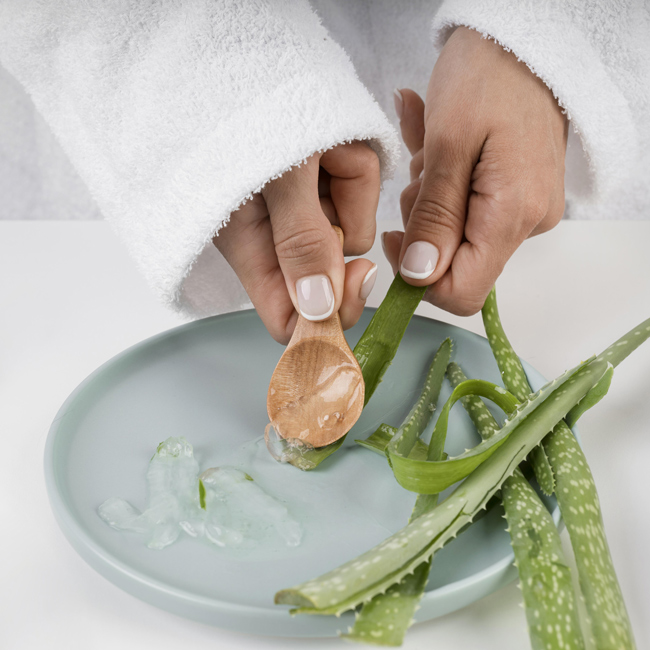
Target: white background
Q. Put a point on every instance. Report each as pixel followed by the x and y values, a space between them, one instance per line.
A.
pixel 70 298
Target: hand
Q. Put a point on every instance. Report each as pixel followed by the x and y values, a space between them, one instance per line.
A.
pixel 490 143
pixel 283 249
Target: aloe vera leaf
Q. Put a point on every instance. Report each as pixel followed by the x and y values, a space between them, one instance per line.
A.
pixel 373 572
pixel 544 575
pixel 422 411
pixel 376 350
pixel 515 380
pixel 621 349
pixel 590 399
pixel 385 619
pixel 378 344
pixel 479 413
pixel 578 500
pixel 431 476
pixel 580 507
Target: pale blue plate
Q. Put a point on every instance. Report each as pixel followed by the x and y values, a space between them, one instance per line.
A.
pixel 207 381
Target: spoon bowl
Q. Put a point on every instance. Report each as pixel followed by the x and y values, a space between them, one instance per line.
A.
pixel 316 392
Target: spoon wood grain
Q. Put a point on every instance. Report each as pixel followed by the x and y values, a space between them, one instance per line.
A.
pixel 316 392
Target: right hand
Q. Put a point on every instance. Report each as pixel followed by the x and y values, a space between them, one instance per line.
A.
pixel 283 249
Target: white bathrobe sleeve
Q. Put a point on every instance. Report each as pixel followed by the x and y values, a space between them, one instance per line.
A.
pixel 174 112
pixel 595 57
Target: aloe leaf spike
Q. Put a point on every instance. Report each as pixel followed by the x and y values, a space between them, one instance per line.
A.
pixel 544 574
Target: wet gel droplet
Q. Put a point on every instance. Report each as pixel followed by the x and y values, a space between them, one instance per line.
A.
pixel 287 450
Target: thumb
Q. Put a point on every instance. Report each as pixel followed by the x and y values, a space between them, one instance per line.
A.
pixel 308 250
pixel 436 224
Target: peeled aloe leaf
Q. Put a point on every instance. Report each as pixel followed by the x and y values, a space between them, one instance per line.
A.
pixel 376 350
pixel 376 570
pixel 515 380
pixel 590 399
pixel 385 619
pixel 544 575
pixel 431 476
pixel 378 344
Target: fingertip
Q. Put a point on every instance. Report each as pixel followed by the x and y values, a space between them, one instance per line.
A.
pixel 391 243
pixel 360 277
pixel 419 263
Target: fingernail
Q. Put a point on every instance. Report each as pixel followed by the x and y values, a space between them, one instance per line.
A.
pixel 419 260
pixel 399 103
pixel 315 297
pixel 368 283
pixel 421 174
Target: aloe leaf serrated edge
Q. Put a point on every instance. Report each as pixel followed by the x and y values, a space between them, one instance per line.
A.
pixel 388 616
pixel 373 572
pixel 578 499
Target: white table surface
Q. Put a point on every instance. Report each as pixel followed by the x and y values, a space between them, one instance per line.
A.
pixel 71 298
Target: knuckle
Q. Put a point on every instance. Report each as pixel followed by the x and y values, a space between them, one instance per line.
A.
pixel 430 216
pixel 362 159
pixel 300 246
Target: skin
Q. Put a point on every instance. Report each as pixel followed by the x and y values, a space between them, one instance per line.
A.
pixel 490 142
pixel 487 169
pixel 285 234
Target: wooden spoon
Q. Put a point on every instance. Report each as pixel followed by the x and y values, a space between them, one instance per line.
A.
pixel 316 392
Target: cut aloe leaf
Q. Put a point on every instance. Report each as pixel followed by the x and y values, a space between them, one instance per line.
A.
pixel 376 349
pixel 431 476
pixel 375 571
pixel 378 344
pixel 385 619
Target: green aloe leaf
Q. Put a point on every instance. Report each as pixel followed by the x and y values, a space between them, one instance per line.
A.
pixel 375 351
pixel 385 619
pixel 434 476
pixel 375 571
pixel 578 501
pixel 515 380
pixel 544 574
